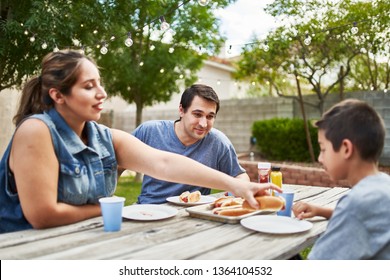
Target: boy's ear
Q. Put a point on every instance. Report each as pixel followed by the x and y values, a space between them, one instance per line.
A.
pixel 347 148
pixel 56 95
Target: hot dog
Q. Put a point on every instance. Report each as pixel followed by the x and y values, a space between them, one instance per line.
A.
pixel 188 197
pixel 228 201
pixel 266 202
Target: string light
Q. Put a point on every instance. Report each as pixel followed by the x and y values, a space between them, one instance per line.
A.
pixel 103 49
pixel 203 2
pixel 44 46
pixel 128 41
pixel 307 40
pixel 229 51
pixel 265 46
pixel 164 24
pixel 354 29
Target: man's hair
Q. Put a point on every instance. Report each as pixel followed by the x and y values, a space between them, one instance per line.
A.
pixel 202 91
pixel 358 122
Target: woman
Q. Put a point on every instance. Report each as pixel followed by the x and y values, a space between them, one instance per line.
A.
pixel 60 161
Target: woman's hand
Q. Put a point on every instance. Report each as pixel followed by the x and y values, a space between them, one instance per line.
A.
pixel 248 190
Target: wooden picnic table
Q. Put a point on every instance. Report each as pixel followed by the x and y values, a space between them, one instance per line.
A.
pixel 181 237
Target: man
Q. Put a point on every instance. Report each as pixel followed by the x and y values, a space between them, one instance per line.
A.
pixel 191 135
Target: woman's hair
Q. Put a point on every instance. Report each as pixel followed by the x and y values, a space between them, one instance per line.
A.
pixel 60 70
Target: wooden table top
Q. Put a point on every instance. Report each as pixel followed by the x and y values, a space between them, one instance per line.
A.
pixel 180 237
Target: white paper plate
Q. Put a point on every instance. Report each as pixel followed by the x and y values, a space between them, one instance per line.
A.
pixel 204 199
pixel 148 212
pixel 276 224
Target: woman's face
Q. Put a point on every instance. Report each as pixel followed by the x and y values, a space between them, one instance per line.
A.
pixel 85 102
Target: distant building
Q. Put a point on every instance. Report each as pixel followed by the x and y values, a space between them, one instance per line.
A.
pixel 216 73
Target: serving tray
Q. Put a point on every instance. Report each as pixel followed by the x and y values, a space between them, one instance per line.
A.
pixel 205 211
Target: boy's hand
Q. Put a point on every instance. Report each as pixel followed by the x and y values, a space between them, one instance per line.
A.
pixel 303 210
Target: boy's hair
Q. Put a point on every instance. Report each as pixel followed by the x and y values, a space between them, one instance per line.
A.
pixel 358 122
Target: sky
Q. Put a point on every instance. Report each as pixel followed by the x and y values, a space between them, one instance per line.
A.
pixel 243 19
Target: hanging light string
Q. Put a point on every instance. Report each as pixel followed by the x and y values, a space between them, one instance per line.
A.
pixel 307 38
pixel 103 45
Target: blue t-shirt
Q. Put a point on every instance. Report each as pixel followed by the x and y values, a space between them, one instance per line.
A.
pixel 214 150
pixel 86 173
pixel 360 225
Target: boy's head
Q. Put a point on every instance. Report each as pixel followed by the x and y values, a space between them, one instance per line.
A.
pixel 358 122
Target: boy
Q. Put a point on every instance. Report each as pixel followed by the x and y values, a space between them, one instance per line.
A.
pixel 351 137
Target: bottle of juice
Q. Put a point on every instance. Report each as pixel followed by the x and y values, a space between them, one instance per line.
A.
pixel 276 177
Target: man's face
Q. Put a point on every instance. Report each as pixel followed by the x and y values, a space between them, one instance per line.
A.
pixel 197 121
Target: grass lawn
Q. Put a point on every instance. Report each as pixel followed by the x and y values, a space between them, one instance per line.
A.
pixel 130 190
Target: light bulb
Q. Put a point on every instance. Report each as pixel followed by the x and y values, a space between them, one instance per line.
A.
pixel 56 49
pixel 32 39
pixel 104 49
pixel 152 47
pixel 164 24
pixel 354 29
pixel 44 46
pixel 25 32
pixel 162 70
pixel 128 42
pixel 266 47
pixel 171 50
pixel 141 63
pixel 229 51
pixel 307 40
pixel 203 2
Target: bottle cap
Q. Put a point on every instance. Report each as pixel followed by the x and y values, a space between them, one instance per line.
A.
pixel 263 165
pixel 275 168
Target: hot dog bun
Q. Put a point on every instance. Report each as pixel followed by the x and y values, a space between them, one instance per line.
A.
pixel 194 196
pixel 266 202
pixel 235 212
pixel 188 197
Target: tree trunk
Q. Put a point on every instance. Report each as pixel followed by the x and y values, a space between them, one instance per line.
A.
pixel 308 138
pixel 341 77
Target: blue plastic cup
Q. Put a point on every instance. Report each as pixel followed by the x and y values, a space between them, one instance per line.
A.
pixel 288 196
pixel 112 212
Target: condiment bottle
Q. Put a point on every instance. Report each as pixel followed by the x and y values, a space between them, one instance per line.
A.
pixel 263 169
pixel 276 177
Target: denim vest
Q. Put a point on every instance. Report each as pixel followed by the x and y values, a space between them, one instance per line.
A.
pixel 86 173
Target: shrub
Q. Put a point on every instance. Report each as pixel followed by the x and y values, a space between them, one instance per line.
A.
pixel 284 139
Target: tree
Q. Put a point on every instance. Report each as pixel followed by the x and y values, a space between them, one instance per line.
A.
pixel 159 61
pixel 145 73
pixel 317 41
pixel 30 29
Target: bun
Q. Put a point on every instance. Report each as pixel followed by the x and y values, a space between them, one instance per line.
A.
pixel 187 197
pixel 266 202
pixel 235 212
pixel 194 196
